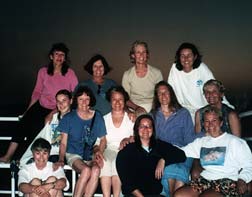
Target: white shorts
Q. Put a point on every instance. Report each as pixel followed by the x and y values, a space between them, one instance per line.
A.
pixel 109 167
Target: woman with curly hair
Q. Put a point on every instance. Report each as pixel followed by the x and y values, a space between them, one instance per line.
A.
pixel 51 78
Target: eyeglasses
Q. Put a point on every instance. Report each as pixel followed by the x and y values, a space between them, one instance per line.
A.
pixel 99 89
pixel 145 127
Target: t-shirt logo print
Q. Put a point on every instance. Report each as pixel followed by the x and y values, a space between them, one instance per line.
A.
pixel 88 143
pixel 55 135
pixel 212 156
pixel 199 83
pixel 87 138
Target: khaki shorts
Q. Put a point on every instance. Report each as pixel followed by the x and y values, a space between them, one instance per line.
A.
pixel 71 158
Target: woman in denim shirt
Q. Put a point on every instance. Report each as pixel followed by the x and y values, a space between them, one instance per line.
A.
pixel 173 124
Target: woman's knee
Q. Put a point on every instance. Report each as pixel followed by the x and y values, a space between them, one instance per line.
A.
pixel 185 191
pixel 96 171
pixel 51 179
pixel 86 171
pixel 36 181
pixel 211 192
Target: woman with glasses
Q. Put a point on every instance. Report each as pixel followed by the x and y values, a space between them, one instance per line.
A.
pixel 98 67
pixel 140 164
pixel 79 131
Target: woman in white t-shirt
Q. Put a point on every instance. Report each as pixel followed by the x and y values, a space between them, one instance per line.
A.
pixel 118 126
pixel 49 132
pixel 225 158
pixel 39 178
pixel 187 77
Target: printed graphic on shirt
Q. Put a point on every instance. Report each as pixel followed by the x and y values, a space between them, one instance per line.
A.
pixel 88 135
pixel 55 135
pixel 212 156
pixel 199 83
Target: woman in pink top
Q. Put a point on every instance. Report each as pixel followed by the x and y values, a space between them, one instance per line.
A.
pixel 51 78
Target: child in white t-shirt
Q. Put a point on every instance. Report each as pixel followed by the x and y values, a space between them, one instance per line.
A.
pixel 39 178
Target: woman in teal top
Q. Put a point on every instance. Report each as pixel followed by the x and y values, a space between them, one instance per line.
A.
pixel 98 67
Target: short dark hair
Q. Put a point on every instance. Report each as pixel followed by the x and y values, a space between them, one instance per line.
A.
pixel 80 91
pixel 89 65
pixel 136 131
pixel 64 92
pixel 211 109
pixel 174 101
pixel 134 45
pixel 63 48
pixel 41 144
pixel 118 89
pixel 195 51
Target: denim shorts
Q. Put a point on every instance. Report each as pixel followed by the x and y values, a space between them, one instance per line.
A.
pixel 178 171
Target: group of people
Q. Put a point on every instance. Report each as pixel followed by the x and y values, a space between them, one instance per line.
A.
pixel 146 137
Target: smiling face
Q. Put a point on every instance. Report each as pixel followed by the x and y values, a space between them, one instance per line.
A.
pixel 117 102
pixel 140 54
pixel 83 102
pixel 40 158
pixel 212 124
pixel 98 69
pixel 145 129
pixel 213 95
pixel 163 95
pixel 58 58
pixel 187 59
pixel 63 103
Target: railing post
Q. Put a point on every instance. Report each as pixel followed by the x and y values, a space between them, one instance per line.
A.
pixel 12 184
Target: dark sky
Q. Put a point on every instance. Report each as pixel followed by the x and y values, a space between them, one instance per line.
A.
pixel 222 30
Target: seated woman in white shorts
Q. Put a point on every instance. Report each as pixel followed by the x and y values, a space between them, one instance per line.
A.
pixel 118 126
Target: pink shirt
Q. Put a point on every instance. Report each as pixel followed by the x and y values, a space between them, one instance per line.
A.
pixel 48 85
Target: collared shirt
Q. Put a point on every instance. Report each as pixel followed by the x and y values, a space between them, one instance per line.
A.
pixel 177 129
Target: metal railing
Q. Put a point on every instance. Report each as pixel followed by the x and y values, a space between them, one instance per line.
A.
pixel 13 191
pixel 244 115
pixel 6 166
pixel 66 167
